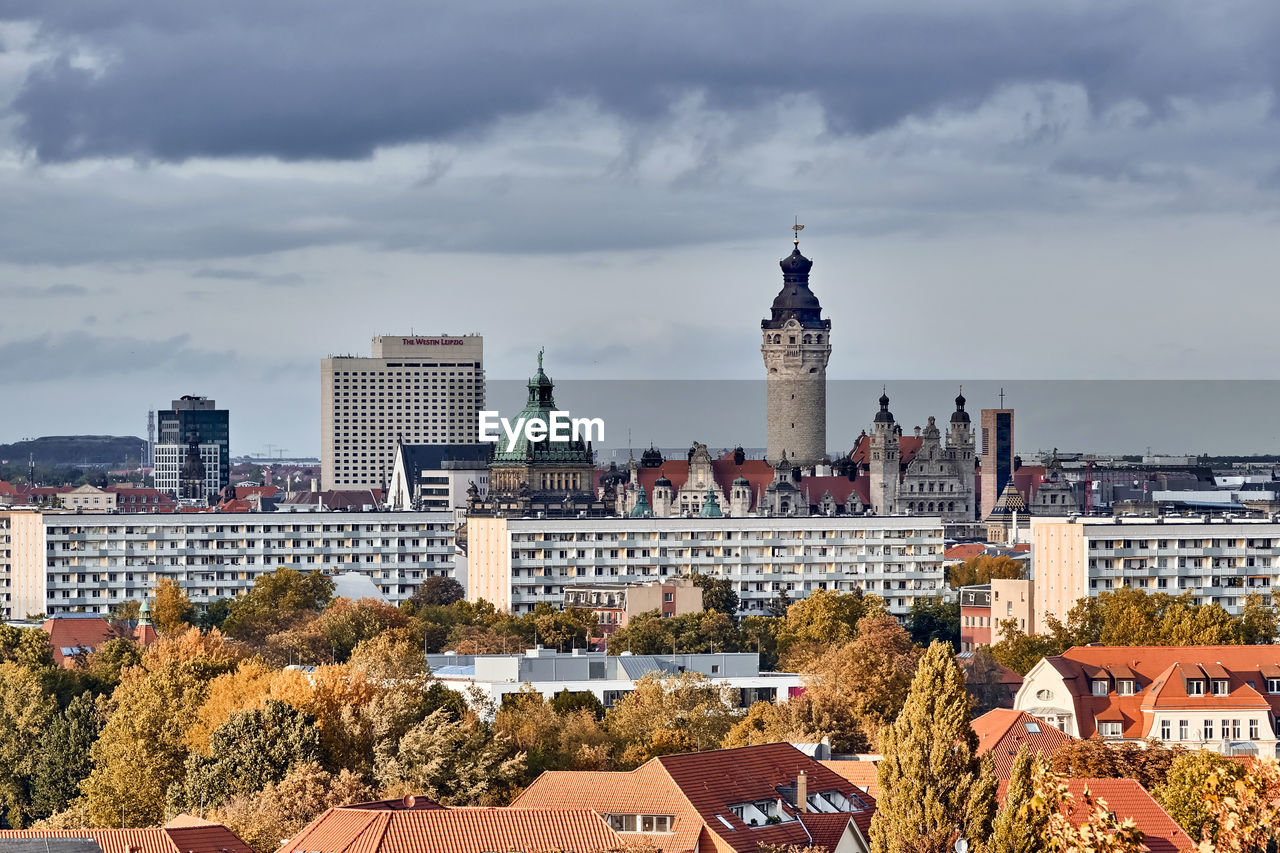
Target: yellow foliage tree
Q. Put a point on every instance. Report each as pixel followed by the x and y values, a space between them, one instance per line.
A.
pixel 171 611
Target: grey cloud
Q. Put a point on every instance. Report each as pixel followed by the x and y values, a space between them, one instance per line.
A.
pixel 271 280
pixel 64 356
pixel 296 80
pixel 52 291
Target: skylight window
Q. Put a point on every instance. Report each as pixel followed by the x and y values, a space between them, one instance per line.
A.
pixel 1032 727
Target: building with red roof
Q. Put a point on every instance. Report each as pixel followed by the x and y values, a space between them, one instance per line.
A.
pixel 1125 798
pixel 391 828
pixel 1223 698
pixel 76 634
pixel 139 499
pixel 1004 732
pixel 720 801
pixel 183 834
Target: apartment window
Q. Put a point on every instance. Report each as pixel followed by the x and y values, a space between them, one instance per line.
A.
pixel 1109 729
pixel 1100 687
pixel 1208 729
pixel 1166 730
pixel 1219 687
pixel 1124 687
pixel 1273 685
pixel 1235 730
pixel 1253 729
pixel 1195 687
pixel 1184 730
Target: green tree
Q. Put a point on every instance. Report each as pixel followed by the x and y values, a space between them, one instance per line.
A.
pixel 25 713
pixel 1258 621
pixel 982 568
pixel 822 620
pixel 644 634
pixel 28 647
pixel 437 591
pixel 63 759
pixel 934 618
pixel 718 594
pixel 249 750
pixel 1020 651
pixel 455 762
pixel 984 679
pixel 110 660
pixel 214 614
pixel 664 715
pixel 932 785
pixel 172 610
pixel 277 601
pixel 1018 826
pixel 1184 794
pixel 281 809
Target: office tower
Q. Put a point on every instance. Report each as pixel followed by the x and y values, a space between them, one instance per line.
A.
pixel 997 456
pixel 416 390
pixel 193 423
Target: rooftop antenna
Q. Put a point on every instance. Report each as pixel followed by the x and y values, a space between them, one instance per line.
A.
pixel 1002 398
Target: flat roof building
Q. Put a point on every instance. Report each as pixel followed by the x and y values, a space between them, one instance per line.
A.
pixel 417 390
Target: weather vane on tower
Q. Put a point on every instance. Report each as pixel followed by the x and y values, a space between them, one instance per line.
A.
pixel 797 228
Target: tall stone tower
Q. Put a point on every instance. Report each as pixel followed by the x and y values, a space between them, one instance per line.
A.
pixel 884 459
pixel 960 452
pixel 796 347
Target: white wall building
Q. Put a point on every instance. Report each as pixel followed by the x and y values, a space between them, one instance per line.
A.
pixel 517 562
pixel 92 562
pixel 419 390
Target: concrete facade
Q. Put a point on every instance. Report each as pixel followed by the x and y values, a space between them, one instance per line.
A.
pixel 516 562
pixel 21 563
pixel 997 457
pixel 419 390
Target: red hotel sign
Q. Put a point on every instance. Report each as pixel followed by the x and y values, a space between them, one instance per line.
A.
pixel 432 342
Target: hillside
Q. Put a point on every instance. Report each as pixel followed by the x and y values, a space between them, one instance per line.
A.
pixel 75 449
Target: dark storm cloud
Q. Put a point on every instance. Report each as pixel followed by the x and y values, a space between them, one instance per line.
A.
pixel 300 80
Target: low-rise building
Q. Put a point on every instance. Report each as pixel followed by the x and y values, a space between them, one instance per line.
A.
pixel 517 562
pixel 984 607
pixel 183 834
pixel 615 604
pixel 438 476
pixel 1222 698
pixel 66 562
pixel 1219 561
pixel 607 677
pixel 1003 733
pixel 726 800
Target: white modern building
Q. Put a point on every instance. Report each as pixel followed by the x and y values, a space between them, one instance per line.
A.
pixel 517 562
pixel 417 390
pixel 68 561
pixel 1218 560
pixel 607 677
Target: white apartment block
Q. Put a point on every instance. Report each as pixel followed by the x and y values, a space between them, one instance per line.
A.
pixel 169 459
pixel 517 562
pixel 1219 560
pixel 419 390
pixel 68 561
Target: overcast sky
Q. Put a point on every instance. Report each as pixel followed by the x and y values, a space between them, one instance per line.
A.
pixel 208 198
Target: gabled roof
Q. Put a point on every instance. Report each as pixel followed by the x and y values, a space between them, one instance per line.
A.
pixel 860 773
pixel 839 487
pixel 908 447
pixel 698 790
pixel 1127 799
pixel 361 829
pixel 197 837
pixel 1160 674
pixel 74 632
pixel 1003 733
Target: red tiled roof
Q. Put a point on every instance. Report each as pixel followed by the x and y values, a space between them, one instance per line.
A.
pixel 1127 799
pixel 839 487
pixel 964 551
pixel 1008 677
pixel 860 773
pixel 908 447
pixel 76 633
pixel 7 490
pixel 698 788
pixel 1158 672
pixel 246 492
pixel 192 836
pixel 1003 732
pixel 461 830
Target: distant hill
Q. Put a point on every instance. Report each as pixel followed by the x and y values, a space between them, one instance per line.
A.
pixel 74 449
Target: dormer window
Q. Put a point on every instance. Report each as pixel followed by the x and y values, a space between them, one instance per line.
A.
pixel 1101 687
pixel 1125 687
pixel 1220 687
pixel 1195 687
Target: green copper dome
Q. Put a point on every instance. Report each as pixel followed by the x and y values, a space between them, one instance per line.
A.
pixel 711 506
pixel 538 407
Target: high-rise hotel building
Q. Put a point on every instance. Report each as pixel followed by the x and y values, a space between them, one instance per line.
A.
pixel 419 390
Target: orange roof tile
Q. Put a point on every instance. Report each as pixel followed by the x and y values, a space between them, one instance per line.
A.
pixel 1003 732
pixel 461 830
pixel 76 631
pixel 860 773
pixel 199 837
pixel 1127 799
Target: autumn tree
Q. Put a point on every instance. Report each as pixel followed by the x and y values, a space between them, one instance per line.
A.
pixel 437 591
pixel 984 680
pixel 820 621
pixel 172 610
pixel 1258 622
pixel 455 762
pixel 718 594
pixel 1187 784
pixel 1020 827
pixel 25 713
pixel 932 785
pixel 334 634
pixel 281 809
pixel 1019 651
pixel 1090 758
pixel 669 714
pixel 982 568
pixel 276 602
pixel 1244 810
pixel 107 662
pixel 27 647
pixel 1085 827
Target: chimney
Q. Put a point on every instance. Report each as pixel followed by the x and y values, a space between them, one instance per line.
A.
pixel 802 792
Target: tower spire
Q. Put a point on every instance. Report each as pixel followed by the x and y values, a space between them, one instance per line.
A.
pixel 797 228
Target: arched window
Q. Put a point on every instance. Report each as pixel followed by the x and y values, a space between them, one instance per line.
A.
pixel 930 506
pixel 808 339
pixel 1044 695
pixel 819 339
pixel 951 506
